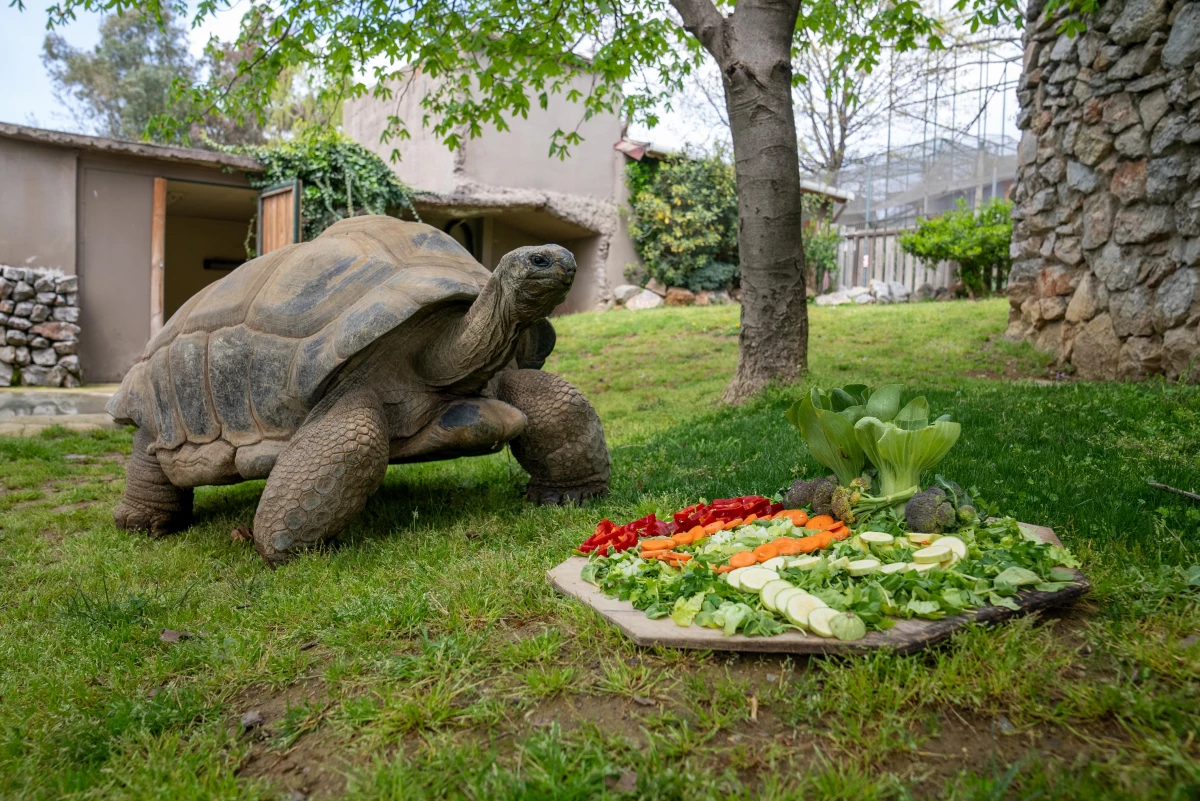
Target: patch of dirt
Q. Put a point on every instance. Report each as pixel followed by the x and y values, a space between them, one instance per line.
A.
pixel 51 536
pixel 1011 369
pixel 73 507
pixel 314 765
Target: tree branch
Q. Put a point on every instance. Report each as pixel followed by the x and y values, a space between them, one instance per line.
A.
pixel 702 20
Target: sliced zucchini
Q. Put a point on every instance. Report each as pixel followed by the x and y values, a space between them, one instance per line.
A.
pixel 842 563
pixel 805 562
pixel 770 590
pixel 734 577
pixel 876 538
pixel 955 544
pixel 783 596
pixel 894 567
pixel 921 539
pixel 774 564
pixel 800 606
pixel 925 567
pixel 862 567
pixel 755 578
pixel 934 554
pixel 818 620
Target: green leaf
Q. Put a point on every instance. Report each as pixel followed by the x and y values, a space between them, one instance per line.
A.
pixel 884 402
pixel 1062 574
pixel 686 609
pixel 927 609
pixel 914 415
pixel 830 439
pixel 999 600
pixel 1018 577
pixel 902 456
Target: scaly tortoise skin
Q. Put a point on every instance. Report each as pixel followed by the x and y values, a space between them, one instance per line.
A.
pixel 317 365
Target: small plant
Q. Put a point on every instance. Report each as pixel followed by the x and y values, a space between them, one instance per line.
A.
pixel 977 240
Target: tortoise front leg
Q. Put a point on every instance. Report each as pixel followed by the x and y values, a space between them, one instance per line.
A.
pixel 563 445
pixel 333 464
pixel 152 503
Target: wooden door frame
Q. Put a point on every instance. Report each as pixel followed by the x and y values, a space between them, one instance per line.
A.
pixel 158 254
pixel 294 186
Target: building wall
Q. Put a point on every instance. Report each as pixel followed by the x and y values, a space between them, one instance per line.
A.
pixel 115 211
pixel 37 206
pixel 191 240
pixel 427 163
pixel 1106 235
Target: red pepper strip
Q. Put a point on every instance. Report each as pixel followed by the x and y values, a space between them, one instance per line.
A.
pixel 775 508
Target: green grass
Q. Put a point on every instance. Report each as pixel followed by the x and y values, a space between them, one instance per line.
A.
pixel 425 655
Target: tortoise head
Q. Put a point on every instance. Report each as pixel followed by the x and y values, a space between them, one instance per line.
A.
pixel 535 279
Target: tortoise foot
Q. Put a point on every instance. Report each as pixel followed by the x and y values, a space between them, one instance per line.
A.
pixel 154 522
pixel 562 496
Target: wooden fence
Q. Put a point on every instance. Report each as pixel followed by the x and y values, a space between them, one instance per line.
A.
pixel 866 255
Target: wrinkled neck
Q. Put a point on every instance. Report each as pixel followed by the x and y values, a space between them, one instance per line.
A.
pixel 481 343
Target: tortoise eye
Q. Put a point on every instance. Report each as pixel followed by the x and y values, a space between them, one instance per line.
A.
pixel 539 260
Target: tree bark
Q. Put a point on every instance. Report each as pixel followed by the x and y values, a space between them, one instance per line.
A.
pixel 753 49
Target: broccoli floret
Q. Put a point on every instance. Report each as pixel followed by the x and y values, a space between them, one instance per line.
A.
pixel 822 497
pixel 929 512
pixel 799 495
pixel 967 514
pixel 841 504
pixel 861 483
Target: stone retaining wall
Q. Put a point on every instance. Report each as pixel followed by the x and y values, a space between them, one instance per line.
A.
pixel 1106 235
pixel 39 332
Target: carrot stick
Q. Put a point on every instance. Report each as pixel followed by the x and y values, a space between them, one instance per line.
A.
pixel 658 544
pixel 750 519
pixel 732 524
pixel 743 559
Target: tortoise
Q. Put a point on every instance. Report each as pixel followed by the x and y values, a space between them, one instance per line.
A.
pixel 315 366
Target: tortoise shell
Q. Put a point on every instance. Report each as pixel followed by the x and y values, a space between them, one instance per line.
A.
pixel 248 356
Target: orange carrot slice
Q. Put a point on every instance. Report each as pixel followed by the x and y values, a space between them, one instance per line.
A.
pixel 726 569
pixel 767 550
pixel 743 559
pixel 798 516
pixel 787 546
pixel 713 528
pixel 820 523
pixel 657 544
pixel 732 523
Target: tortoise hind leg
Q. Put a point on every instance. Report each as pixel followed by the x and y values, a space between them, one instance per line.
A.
pixel 563 445
pixel 333 464
pixel 152 503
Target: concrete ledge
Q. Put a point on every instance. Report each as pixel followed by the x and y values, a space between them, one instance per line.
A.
pixel 33 424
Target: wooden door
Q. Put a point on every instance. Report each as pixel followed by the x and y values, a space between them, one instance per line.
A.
pixel 278 217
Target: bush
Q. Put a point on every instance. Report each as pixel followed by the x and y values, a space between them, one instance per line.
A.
pixel 977 240
pixel 820 244
pixel 684 221
pixel 340 179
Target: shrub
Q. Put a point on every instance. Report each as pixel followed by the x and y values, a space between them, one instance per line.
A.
pixel 977 240
pixel 820 244
pixel 684 221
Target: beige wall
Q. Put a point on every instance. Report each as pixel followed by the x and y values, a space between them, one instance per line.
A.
pixel 37 205
pixel 427 164
pixel 191 240
pixel 114 271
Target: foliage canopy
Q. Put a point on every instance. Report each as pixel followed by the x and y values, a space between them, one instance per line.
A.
pixel 977 240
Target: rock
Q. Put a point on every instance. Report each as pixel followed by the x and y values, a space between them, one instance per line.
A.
pixel 7 306
pixel 13 274
pixel 1115 268
pixel 863 300
pixel 720 297
pixel 1054 308
pixel 833 299
pixel 1182 49
pixel 1095 349
pixel 678 296
pixel 1132 143
pixel 35 376
pixel 14 337
pixel 1068 250
pixel 45 357
pixel 1132 312
pixel 1167 132
pixel 1129 181
pixel 943 294
pixel 898 291
pixel 1140 357
pixel 40 313
pixel 880 291
pixel 6 375
pixel 704 297
pixel 8 354
pixel 45 298
pixel 57 331
pixel 19 324
pixel 1181 347
pixel 657 287
pixel 1053 280
pixel 21 356
pixel 66 314
pixel 1174 298
pixel 42 284
pixel 70 364
pixel 66 348
pixel 1098 211
pixel 67 283
pixel 1090 298
pixel 1092 144
pixel 646 299
pixel 1080 177
pixel 922 293
pixel 622 293
pixel 1119 112
pixel 1136 224
pixel 1152 108
pixel 1138 19
pixel 23 309
pixel 251 720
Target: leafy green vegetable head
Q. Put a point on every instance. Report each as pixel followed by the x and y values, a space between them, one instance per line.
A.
pixel 829 435
pixel 906 447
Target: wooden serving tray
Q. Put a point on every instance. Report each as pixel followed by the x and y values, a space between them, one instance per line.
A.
pixel 905 637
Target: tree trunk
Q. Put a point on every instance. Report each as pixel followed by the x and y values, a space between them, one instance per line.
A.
pixel 753 49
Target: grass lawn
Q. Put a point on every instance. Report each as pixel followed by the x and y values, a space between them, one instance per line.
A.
pixel 425 655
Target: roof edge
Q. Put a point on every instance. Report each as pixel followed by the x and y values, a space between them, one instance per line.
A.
pixel 100 144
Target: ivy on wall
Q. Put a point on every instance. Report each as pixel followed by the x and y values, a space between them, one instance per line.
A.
pixel 340 179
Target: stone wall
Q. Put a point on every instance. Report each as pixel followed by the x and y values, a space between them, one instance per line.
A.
pixel 1106 234
pixel 39 335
